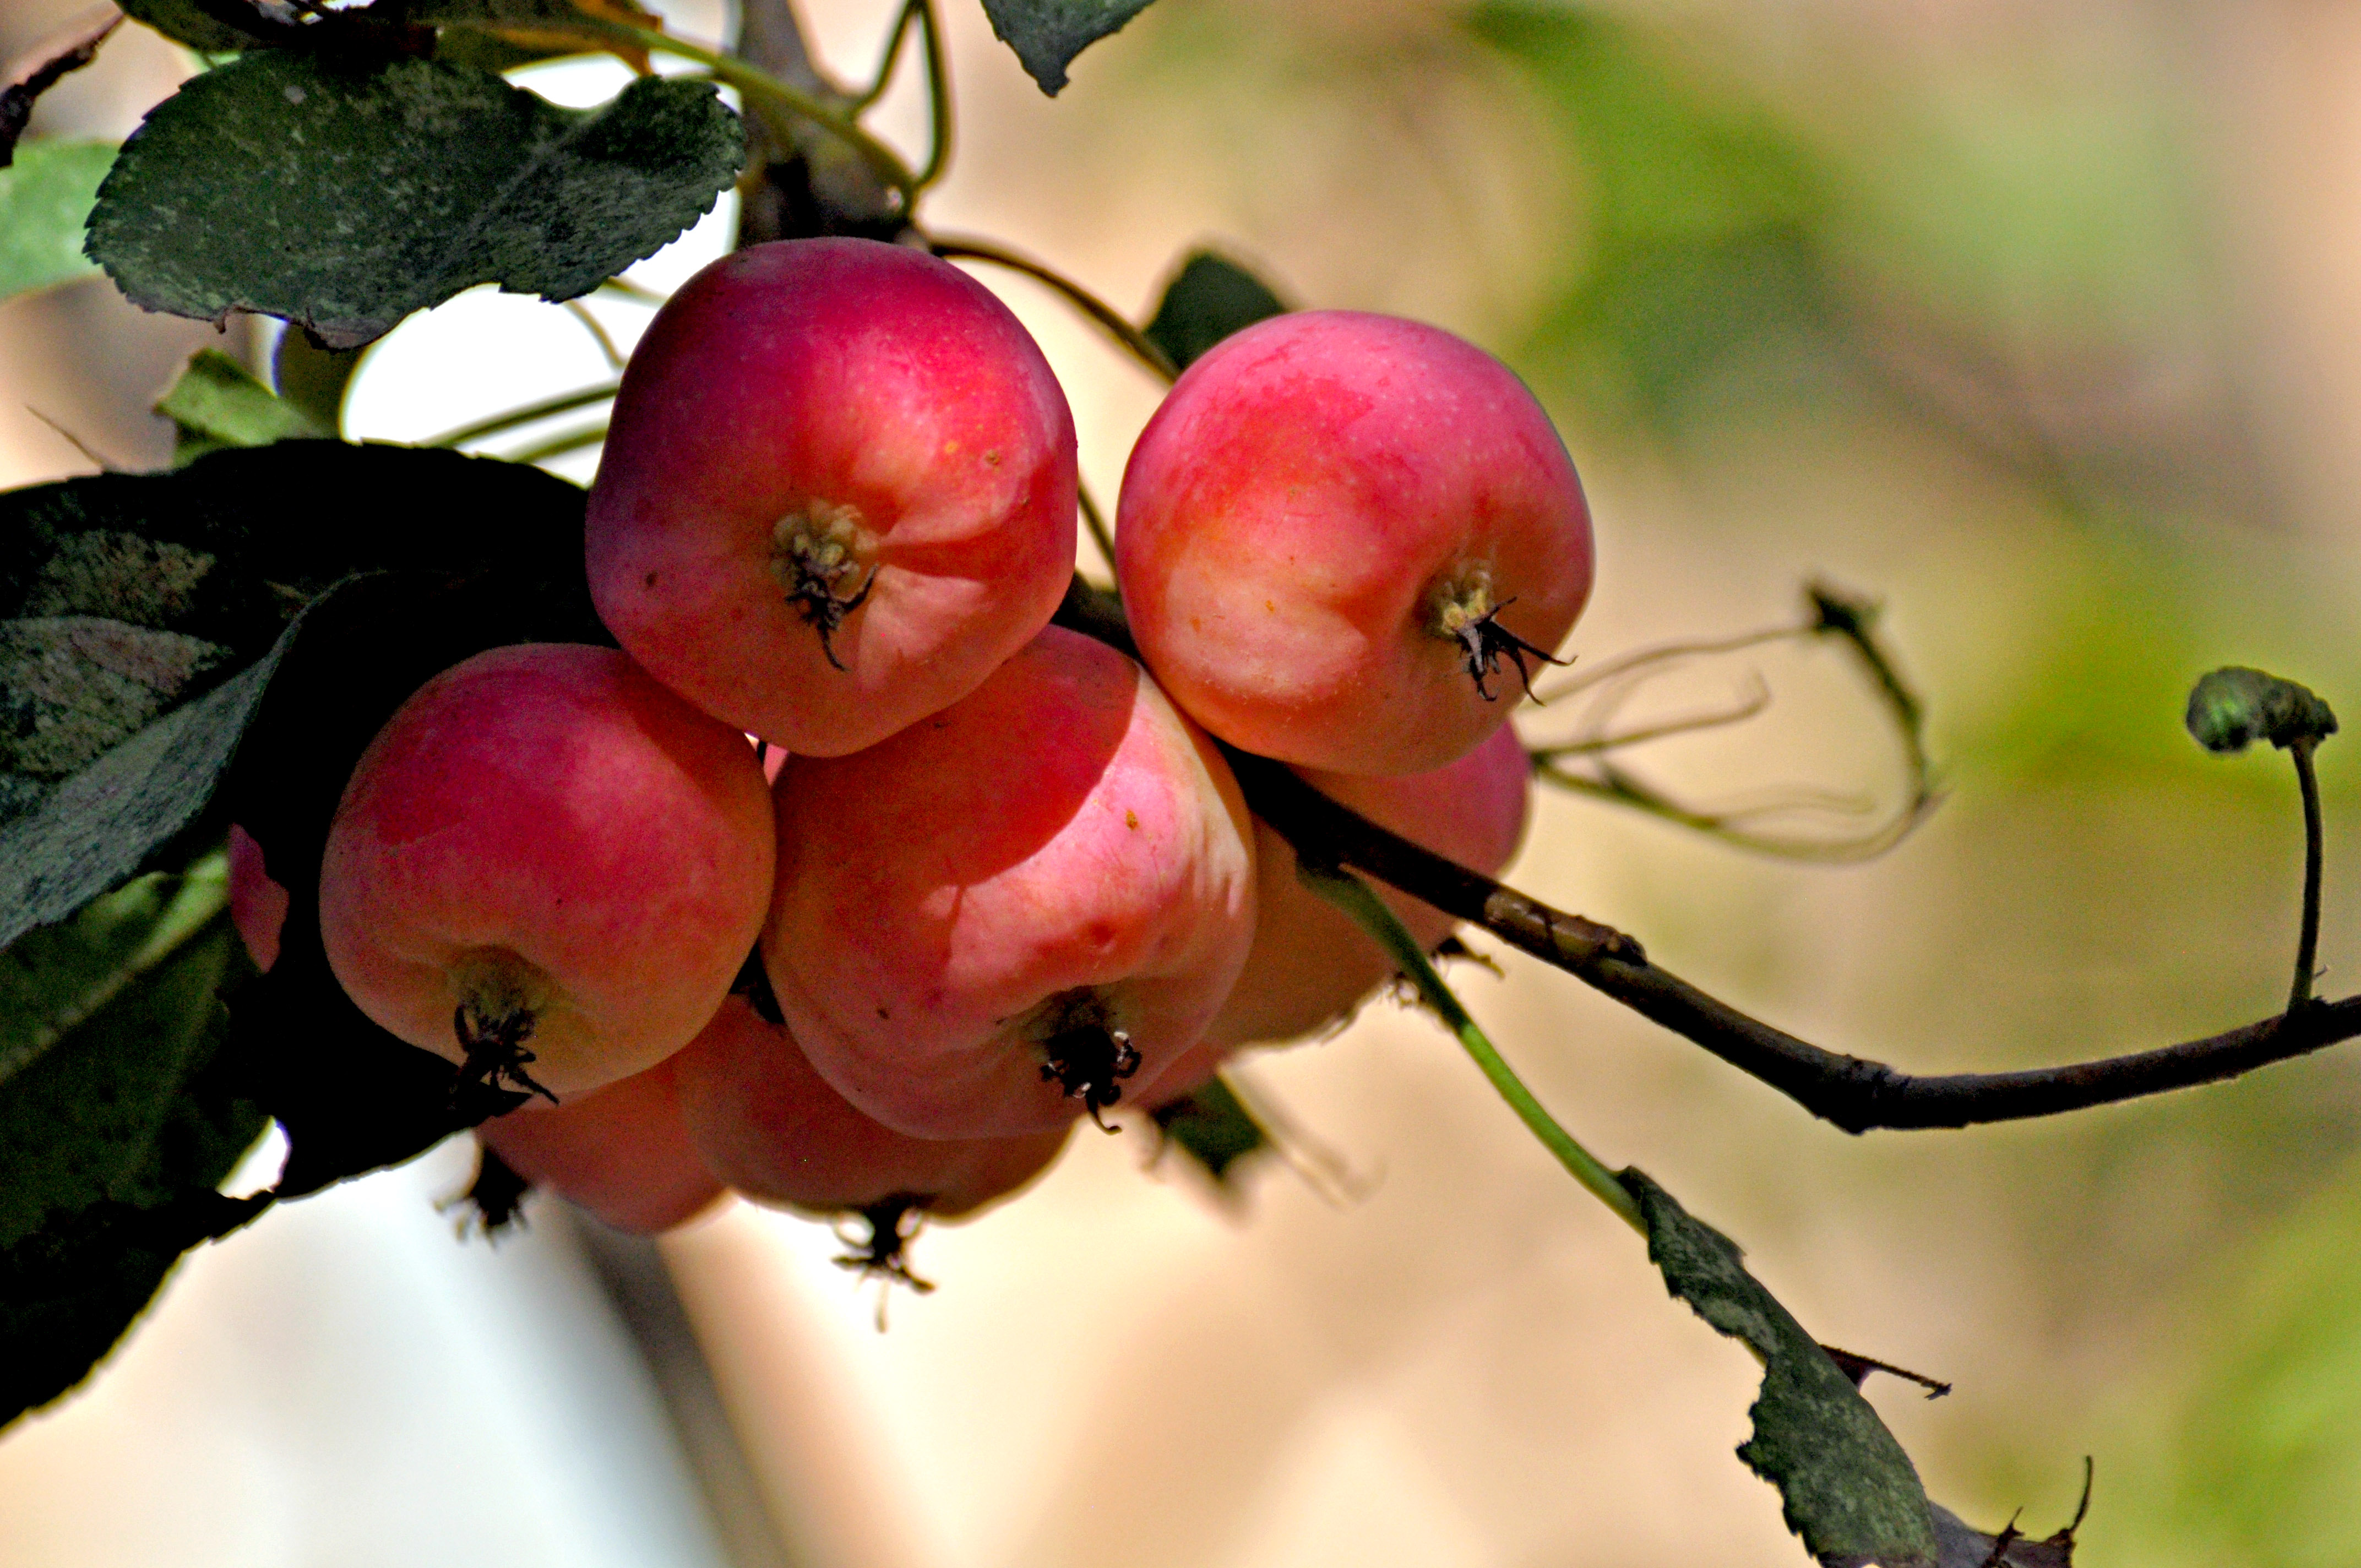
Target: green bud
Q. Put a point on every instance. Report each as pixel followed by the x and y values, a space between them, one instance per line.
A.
pixel 2233 707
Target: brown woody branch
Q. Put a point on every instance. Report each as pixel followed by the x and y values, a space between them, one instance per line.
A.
pixel 1854 1093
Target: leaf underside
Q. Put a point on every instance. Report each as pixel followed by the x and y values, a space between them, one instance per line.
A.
pixel 344 198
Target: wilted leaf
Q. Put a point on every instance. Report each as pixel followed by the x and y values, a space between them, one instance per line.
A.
pixel 218 403
pixel 1047 34
pixel 1849 1489
pixel 1214 1128
pixel 345 199
pixel 2233 707
pixel 45 200
pixel 53 979
pixel 1210 298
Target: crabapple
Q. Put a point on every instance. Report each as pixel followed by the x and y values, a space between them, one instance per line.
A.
pixel 838 490
pixel 543 844
pixel 1311 964
pixel 770 1126
pixel 623 1152
pixel 258 905
pixel 1335 531
pixel 1039 892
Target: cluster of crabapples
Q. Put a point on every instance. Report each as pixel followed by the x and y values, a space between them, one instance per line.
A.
pixel 997 875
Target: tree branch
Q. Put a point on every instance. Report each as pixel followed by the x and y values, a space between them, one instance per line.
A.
pixel 1854 1093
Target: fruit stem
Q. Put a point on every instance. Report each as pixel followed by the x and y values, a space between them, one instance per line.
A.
pixel 1460 608
pixel 501 998
pixel 2307 949
pixel 1351 895
pixel 814 552
pixel 564 402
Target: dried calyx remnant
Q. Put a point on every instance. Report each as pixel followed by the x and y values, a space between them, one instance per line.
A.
pixel 883 1254
pixel 1082 1052
pixel 500 999
pixel 816 551
pixel 1460 608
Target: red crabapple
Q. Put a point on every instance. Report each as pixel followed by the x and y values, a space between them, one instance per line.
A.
pixel 1334 531
pixel 838 490
pixel 258 905
pixel 543 844
pixel 770 1126
pixel 623 1152
pixel 1311 964
pixel 1037 894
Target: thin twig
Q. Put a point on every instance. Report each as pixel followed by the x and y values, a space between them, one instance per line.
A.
pixel 1095 521
pixel 559 445
pixel 1854 1093
pixel 2307 947
pixel 564 402
pixel 1116 324
pixel 597 331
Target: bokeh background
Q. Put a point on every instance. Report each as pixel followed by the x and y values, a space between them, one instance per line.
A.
pixel 2040 324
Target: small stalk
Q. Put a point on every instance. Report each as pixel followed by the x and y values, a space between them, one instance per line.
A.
pixel 1095 521
pixel 564 403
pixel 559 445
pixel 1351 895
pixel 2307 947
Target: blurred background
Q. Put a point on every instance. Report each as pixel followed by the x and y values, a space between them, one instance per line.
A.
pixel 2041 325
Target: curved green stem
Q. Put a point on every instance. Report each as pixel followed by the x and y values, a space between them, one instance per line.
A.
pixel 1351 895
pixel 1095 521
pixel 559 445
pixel 2306 950
pixel 565 402
pixel 938 96
pixel 1116 324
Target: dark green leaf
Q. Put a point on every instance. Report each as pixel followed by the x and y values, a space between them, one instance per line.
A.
pixel 1047 34
pixel 70 1290
pixel 345 199
pixel 1210 298
pixel 186 22
pixel 53 979
pixel 96 828
pixel 117 1138
pixel 2233 707
pixel 223 551
pixel 1214 1128
pixel 217 403
pixel 45 200
pixel 1849 1489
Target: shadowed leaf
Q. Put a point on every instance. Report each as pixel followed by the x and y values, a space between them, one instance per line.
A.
pixel 187 22
pixel 53 979
pixel 345 199
pixel 1210 298
pixel 1047 34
